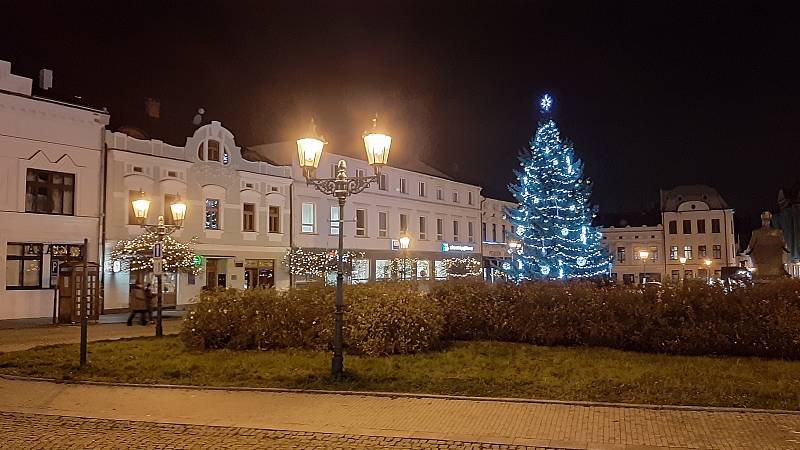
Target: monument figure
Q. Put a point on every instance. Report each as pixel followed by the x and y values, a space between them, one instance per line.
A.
pixel 766 249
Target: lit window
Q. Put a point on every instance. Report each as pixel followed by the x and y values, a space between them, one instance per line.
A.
pixel 687 252
pixel 49 192
pixel 307 219
pixel 621 254
pixel 249 217
pixel 24 266
pixel 274 219
pixel 701 251
pixel 383 269
pixel 423 269
pixel 673 253
pixel 361 222
pixel 383 224
pixel 334 220
pixel 212 214
pixel 717 251
pixel 360 271
pixel 440 271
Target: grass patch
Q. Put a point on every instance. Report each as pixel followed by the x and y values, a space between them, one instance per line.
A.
pixel 491 369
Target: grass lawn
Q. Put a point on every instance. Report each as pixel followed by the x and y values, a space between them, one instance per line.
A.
pixel 465 368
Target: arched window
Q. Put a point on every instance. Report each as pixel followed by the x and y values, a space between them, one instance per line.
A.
pixel 201 154
pixel 213 150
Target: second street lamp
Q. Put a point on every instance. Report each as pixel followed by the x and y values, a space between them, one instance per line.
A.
pixel 141 206
pixel 644 254
pixel 309 152
pixel 682 259
pixel 405 241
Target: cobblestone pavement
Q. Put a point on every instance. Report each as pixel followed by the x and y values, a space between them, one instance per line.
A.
pixel 35 431
pixel 12 340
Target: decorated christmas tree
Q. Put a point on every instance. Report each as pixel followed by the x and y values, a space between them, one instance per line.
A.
pixel 552 236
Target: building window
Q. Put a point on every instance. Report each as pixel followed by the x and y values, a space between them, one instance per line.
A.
pixel 49 192
pixel 334 221
pixel 653 254
pixel 701 226
pixel 24 266
pixel 494 232
pixel 360 173
pixel 470 232
pixel 621 254
pixel 469 198
pixel 673 227
pixel 715 225
pixel 423 269
pixel 249 217
pixel 383 224
pixel 503 234
pixel 455 231
pixel 169 199
pixel 403 186
pixel 673 253
pixel 274 219
pixel 333 170
pixel 439 194
pixel 307 219
pixel 687 227
pixel 132 195
pixel 676 275
pixel 687 252
pixel 212 214
pixel 403 223
pixel 360 272
pixel 483 231
pixel 628 278
pixel 382 182
pixel 361 222
pixel 701 251
pixel 422 228
pixel 455 197
pixel 717 251
pixel 422 191
pixel 439 229
pixel 687 274
pixel 213 150
pixel 383 269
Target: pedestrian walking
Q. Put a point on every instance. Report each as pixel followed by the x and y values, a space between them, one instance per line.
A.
pixel 139 303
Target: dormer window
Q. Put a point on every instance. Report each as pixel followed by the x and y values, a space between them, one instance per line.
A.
pixel 213 150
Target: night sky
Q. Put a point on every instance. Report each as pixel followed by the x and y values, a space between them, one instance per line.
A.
pixel 653 95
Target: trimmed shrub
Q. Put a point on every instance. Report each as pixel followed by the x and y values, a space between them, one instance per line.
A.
pixel 396 318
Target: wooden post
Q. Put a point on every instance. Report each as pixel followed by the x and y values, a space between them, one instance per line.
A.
pixel 84 297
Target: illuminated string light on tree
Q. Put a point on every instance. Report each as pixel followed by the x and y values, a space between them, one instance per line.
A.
pixel 137 254
pixel 553 219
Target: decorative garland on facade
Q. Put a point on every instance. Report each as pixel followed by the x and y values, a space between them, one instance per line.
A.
pixel 316 263
pixel 137 254
pixel 462 267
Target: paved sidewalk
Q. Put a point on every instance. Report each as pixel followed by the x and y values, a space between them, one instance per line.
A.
pixel 500 422
pixel 12 340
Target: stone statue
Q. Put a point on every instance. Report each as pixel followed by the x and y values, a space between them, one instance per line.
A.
pixel 766 249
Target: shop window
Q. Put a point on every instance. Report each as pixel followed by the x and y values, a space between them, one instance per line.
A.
pixel 24 266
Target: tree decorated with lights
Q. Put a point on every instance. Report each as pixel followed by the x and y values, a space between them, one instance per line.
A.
pixel 551 227
pixel 137 254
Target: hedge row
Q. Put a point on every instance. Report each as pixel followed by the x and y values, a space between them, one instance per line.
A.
pixel 394 318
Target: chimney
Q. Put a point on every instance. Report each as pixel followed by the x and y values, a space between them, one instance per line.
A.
pixel 45 79
pixel 152 107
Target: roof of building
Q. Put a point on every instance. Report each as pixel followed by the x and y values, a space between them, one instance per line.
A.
pixel 672 198
pixel 633 219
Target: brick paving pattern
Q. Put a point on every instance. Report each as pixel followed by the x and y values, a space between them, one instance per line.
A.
pixel 34 431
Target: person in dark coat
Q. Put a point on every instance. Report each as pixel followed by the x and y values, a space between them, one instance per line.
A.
pixel 140 303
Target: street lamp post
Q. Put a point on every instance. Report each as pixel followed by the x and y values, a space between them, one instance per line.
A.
pixel 708 263
pixel 682 259
pixel 309 151
pixel 644 254
pixel 405 240
pixel 140 208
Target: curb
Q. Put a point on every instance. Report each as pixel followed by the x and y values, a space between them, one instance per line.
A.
pixel 393 395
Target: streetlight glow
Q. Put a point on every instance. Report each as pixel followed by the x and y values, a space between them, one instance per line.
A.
pixel 377 145
pixel 140 207
pixel 404 242
pixel 682 259
pixel 178 208
pixel 644 254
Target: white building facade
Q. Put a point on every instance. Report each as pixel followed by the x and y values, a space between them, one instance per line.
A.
pixel 237 209
pixel 50 192
pixel 441 216
pixel 494 226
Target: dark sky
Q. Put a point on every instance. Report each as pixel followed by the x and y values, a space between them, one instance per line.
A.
pixel 653 94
